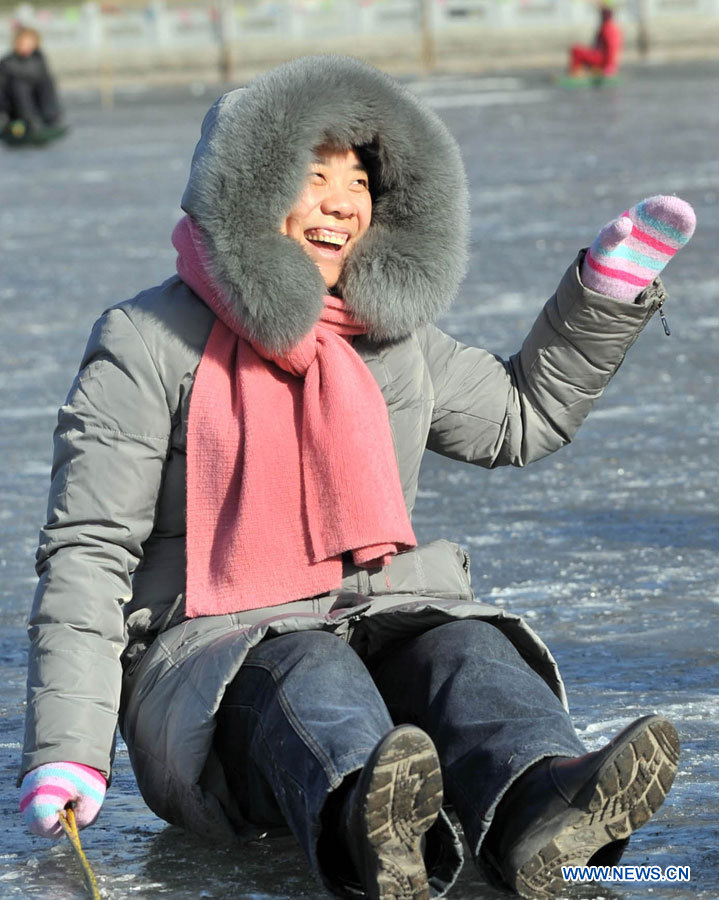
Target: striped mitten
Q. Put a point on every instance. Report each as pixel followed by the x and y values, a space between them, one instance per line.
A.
pixel 50 788
pixel 632 250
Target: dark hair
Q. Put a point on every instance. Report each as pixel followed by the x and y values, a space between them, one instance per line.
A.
pixel 368 155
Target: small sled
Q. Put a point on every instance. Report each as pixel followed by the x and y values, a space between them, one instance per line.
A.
pixel 17 134
pixel 592 80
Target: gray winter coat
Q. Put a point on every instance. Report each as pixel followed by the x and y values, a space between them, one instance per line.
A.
pixel 109 635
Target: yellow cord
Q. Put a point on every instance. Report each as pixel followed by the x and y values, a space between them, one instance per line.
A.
pixel 67 820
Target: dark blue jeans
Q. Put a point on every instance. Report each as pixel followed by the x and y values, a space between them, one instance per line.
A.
pixel 305 711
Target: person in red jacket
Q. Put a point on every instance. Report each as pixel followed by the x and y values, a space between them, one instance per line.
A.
pixel 603 57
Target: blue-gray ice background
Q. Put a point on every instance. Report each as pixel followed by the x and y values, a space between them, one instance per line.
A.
pixel 609 546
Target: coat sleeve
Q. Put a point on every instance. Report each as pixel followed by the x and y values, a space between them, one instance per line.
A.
pixel 493 412
pixel 109 451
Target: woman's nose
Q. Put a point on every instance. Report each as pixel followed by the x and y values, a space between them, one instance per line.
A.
pixel 338 202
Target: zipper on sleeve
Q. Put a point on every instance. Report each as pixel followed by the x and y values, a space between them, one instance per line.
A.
pixel 665 324
pixel 660 295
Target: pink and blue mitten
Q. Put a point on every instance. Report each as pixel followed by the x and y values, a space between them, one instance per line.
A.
pixel 50 788
pixel 629 252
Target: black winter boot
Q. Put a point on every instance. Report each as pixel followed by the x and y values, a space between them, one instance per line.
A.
pixel 577 811
pixel 397 797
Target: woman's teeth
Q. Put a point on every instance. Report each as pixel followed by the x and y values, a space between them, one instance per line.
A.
pixel 324 236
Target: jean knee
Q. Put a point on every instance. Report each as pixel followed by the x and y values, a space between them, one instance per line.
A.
pixel 471 636
pixel 306 651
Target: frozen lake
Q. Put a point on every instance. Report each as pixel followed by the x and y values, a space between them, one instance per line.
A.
pixel 609 547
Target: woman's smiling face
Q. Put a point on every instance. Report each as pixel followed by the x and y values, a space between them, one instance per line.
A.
pixel 333 211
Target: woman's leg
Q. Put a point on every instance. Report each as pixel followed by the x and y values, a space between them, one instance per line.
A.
pixel 490 715
pixel 300 716
pixel 306 740
pixel 512 760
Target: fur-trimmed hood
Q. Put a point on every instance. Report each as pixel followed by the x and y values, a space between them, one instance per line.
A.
pixel 250 166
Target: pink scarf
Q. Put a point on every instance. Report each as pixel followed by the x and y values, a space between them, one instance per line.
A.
pixel 290 460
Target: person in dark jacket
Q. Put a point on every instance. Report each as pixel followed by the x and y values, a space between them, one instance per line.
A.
pixel 603 56
pixel 229 547
pixel 28 99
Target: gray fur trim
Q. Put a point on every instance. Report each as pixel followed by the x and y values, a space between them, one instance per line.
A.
pixel 250 166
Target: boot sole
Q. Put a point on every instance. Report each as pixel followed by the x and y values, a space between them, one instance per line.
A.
pixel 403 799
pixel 629 788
